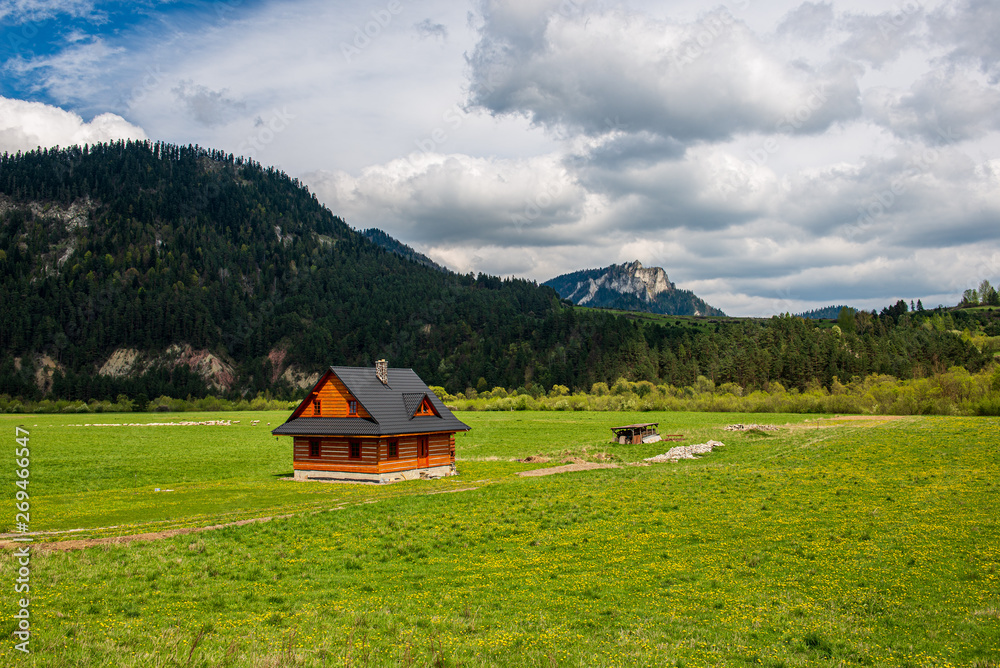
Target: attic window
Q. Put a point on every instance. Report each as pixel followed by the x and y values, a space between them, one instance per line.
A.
pixel 316 407
pixel 352 407
pixel 425 408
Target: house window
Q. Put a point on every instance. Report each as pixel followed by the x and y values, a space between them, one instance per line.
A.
pixel 426 408
pixel 392 450
pixel 316 407
pixel 352 407
pixel 355 450
pixel 314 448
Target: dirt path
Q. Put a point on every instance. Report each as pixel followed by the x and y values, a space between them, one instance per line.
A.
pixel 843 421
pixel 138 537
pixel 64 545
pixel 861 418
pixel 586 466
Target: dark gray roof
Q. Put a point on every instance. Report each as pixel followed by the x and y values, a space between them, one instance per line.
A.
pixel 412 401
pixel 315 426
pixel 391 406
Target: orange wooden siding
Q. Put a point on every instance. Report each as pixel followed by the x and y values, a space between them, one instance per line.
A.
pixel 333 397
pixel 335 451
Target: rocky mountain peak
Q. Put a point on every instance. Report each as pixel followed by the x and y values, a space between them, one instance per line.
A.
pixel 629 286
pixel 630 278
pixel 647 281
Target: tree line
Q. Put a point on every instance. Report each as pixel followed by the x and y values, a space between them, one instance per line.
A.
pixel 142 245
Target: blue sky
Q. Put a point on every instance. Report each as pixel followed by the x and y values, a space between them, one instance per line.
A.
pixel 772 156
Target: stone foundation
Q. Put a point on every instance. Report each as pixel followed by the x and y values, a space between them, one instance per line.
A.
pixel 377 478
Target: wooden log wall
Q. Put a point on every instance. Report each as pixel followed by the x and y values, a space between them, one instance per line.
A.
pixel 335 453
pixel 333 396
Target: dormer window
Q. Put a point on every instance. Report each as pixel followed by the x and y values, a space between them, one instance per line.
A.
pixel 316 407
pixel 352 407
pixel 425 408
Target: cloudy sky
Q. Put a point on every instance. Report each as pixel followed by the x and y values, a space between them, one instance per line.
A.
pixel 772 156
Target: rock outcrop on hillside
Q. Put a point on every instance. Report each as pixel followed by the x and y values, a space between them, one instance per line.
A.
pixel 630 287
pixel 218 373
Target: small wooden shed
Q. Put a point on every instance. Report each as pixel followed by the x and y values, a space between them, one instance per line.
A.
pixel 374 425
pixel 634 433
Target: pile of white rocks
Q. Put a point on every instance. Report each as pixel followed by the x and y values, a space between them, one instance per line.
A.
pixel 749 427
pixel 685 452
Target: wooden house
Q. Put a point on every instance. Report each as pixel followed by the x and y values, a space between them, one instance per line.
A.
pixel 374 425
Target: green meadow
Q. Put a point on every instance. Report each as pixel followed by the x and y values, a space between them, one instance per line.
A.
pixel 825 543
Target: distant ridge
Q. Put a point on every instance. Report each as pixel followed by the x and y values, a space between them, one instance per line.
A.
pixel 383 240
pixel 630 287
pixel 825 313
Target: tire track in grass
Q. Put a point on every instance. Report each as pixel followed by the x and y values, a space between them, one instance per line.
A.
pixel 63 545
pixel 80 544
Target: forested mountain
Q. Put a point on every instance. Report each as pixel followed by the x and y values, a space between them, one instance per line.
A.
pixel 825 313
pixel 629 287
pixel 380 238
pixel 145 269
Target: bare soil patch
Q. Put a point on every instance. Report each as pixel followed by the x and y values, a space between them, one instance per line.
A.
pixel 535 459
pixel 567 468
pixel 842 420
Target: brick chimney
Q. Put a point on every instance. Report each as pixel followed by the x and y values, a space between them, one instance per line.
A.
pixel 382 371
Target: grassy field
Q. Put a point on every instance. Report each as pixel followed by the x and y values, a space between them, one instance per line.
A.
pixel 827 543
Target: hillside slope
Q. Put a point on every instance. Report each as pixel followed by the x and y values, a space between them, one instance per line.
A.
pixel 383 240
pixel 140 267
pixel 145 269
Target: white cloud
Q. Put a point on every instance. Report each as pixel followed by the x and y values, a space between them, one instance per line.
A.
pixel 36 10
pixel 208 107
pixel 27 125
pixel 942 106
pixel 969 29
pixel 604 71
pixel 429 29
pixel 430 197
pixel 879 39
pixel 72 75
pixel 810 20
pixel 779 156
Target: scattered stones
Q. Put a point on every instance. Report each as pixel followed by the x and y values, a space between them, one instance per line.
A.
pixel 750 427
pixel 685 452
